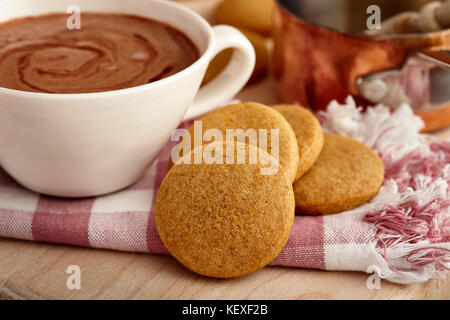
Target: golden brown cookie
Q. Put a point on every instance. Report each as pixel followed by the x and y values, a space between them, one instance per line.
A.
pixel 224 220
pixel 346 175
pixel 219 63
pixel 255 15
pixel 308 132
pixel 256 116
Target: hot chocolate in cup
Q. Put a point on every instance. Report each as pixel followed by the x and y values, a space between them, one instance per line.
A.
pixel 88 140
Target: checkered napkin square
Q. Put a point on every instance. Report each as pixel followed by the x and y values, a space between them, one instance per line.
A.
pixel 403 234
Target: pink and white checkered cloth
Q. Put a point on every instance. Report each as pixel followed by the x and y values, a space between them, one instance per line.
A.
pixel 403 234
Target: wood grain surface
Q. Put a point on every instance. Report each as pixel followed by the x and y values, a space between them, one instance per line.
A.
pixel 31 270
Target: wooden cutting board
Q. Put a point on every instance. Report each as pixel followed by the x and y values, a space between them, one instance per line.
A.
pixel 38 271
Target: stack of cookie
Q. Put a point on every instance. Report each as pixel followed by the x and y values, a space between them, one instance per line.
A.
pixel 335 173
pixel 226 217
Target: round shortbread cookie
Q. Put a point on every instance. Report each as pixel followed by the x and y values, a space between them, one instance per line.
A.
pixel 308 132
pixel 255 15
pixel 255 116
pixel 224 220
pixel 346 175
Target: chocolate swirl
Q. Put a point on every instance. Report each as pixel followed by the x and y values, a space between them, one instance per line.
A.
pixel 110 52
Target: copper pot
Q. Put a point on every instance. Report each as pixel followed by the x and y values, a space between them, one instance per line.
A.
pixel 315 64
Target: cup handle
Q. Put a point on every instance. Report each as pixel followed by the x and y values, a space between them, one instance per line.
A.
pixel 232 79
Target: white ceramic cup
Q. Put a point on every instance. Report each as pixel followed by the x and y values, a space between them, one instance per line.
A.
pixel 79 145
